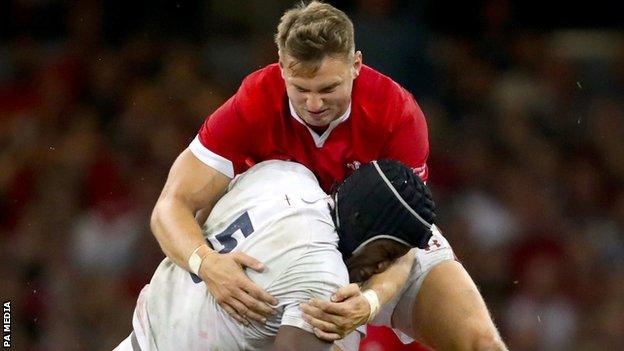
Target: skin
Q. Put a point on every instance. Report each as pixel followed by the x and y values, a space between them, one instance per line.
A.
pixel 448 314
pixel 374 258
pixel 191 186
pixel 319 99
pixel 348 309
pixel 287 336
pixel 324 96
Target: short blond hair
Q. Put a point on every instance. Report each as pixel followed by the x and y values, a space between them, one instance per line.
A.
pixel 309 33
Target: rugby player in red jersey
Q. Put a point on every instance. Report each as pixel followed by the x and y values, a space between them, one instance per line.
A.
pixel 321 107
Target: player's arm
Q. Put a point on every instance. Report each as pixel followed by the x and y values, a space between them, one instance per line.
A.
pixel 349 308
pixel 450 314
pixel 191 186
pixel 289 338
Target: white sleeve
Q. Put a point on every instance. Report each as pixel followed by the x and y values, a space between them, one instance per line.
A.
pixel 397 313
pixel 211 159
pixel 317 274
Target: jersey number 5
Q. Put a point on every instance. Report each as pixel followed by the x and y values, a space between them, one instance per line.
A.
pixel 228 239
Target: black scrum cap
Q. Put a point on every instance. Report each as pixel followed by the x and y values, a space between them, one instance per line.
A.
pixel 382 199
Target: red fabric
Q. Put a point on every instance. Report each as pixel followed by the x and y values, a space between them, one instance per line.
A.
pixel 255 125
pixel 384 339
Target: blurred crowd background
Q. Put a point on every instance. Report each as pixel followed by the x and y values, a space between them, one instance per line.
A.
pixel 525 107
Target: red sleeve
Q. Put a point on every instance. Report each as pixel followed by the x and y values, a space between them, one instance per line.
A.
pixel 409 140
pixel 226 133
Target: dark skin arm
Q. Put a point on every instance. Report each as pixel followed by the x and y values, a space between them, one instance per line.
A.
pixel 293 338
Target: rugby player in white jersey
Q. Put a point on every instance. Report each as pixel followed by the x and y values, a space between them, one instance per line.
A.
pixel 278 213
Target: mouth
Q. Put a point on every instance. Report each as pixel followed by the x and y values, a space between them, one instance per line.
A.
pixel 317 114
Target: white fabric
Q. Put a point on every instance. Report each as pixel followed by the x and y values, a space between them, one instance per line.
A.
pixel 293 236
pixel 218 162
pixel 397 313
pixel 125 345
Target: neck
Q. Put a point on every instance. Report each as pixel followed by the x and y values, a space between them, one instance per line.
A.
pixel 318 130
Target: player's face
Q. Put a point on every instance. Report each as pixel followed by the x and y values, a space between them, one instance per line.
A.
pixel 323 96
pixel 374 258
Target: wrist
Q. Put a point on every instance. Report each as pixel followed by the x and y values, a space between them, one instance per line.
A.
pixel 373 301
pixel 197 257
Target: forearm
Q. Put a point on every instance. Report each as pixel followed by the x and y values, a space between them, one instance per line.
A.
pixel 450 314
pixel 389 282
pixel 174 226
pixel 191 186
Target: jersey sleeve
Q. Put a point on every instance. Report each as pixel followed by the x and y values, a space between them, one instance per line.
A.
pixel 409 140
pixel 315 275
pixel 223 140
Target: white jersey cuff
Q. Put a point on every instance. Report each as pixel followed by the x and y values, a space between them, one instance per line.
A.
pixel 211 159
pixel 297 322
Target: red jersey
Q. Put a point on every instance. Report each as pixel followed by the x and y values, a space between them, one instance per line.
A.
pixel 258 123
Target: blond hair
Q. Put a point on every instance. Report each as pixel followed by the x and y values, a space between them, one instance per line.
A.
pixel 309 33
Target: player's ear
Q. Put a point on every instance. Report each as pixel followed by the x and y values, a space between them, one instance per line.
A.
pixel 280 62
pixel 357 63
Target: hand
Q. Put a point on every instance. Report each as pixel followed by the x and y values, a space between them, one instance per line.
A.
pixel 334 320
pixel 233 290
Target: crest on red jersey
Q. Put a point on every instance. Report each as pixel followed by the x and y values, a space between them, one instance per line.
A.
pixel 354 165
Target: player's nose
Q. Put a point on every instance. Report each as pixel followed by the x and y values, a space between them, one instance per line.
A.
pixel 314 103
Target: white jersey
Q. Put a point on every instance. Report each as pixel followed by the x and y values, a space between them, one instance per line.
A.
pixel 277 213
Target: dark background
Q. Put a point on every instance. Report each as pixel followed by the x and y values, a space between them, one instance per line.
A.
pixel 525 107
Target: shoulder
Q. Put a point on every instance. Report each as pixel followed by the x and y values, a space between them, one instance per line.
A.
pixel 382 100
pixel 261 91
pixel 373 86
pixel 264 82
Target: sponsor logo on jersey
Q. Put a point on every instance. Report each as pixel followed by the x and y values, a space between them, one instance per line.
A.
pixel 354 165
pixel 420 171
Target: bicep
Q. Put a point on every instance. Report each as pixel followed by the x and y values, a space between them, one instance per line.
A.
pixel 289 338
pixel 194 183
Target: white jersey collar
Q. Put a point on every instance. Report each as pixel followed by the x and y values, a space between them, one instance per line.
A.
pixel 319 140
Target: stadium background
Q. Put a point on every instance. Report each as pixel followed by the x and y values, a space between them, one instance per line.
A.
pixel 525 106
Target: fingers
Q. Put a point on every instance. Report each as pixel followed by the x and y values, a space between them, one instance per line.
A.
pixel 235 292
pixel 326 336
pixel 316 312
pixel 233 313
pixel 240 310
pixel 248 261
pixel 345 292
pixel 259 294
pixel 322 325
pixel 257 310
pixel 329 308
